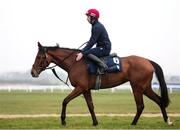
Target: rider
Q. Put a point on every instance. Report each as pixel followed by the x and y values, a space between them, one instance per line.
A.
pixel 99 37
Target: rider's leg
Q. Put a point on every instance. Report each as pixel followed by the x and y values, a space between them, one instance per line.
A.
pixel 98 61
pixel 94 55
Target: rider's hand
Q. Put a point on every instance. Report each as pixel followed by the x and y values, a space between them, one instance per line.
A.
pixel 79 56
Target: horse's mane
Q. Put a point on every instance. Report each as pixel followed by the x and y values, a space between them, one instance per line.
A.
pixel 52 48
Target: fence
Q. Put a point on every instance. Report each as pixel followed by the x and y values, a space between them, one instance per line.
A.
pixel 30 88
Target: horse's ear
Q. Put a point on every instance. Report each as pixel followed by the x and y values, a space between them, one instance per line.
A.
pixel 39 45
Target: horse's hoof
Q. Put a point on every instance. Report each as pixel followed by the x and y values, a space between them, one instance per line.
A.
pixel 133 123
pixel 63 123
pixel 95 123
pixel 169 122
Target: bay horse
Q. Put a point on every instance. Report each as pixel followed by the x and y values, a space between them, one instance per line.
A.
pixel 137 70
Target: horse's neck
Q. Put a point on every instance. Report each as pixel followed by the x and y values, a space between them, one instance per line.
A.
pixel 64 58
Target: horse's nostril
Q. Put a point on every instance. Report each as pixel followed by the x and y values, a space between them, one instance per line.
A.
pixel 32 73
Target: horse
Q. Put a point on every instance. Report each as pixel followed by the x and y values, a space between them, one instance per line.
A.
pixel 137 70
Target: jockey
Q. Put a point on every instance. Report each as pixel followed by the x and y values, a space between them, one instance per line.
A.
pixel 99 37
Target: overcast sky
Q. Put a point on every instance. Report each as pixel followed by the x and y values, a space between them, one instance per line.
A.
pixel 148 28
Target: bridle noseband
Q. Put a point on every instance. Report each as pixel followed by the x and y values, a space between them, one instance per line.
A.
pixel 42 66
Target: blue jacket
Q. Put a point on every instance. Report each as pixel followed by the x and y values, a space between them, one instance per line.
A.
pixel 99 36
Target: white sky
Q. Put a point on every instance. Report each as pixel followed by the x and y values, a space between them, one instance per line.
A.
pixel 148 28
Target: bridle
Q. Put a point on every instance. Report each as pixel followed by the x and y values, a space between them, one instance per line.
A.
pixel 67 56
pixel 42 66
pixel 45 64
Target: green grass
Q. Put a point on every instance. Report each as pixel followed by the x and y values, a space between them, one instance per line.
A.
pixel 86 123
pixel 19 102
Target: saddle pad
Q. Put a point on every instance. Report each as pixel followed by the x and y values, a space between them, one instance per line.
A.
pixel 113 63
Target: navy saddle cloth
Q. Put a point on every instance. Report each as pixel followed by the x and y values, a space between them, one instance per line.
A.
pixel 112 61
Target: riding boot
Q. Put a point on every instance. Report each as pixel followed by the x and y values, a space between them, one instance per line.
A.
pixel 98 61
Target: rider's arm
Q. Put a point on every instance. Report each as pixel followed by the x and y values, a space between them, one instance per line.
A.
pixel 95 33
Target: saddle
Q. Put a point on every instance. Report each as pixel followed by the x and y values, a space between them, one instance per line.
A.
pixel 112 61
pixel 114 65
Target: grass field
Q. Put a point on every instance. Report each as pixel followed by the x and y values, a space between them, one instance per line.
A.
pixel 19 102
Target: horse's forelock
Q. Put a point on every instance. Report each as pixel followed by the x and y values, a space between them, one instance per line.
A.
pixel 42 49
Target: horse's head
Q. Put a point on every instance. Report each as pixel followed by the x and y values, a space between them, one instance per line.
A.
pixel 41 61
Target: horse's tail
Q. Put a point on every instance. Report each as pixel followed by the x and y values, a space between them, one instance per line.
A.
pixel 160 76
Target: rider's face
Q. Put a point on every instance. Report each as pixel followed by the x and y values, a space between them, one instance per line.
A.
pixel 89 19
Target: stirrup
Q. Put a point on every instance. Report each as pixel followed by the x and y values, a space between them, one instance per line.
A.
pixel 100 71
pixel 103 66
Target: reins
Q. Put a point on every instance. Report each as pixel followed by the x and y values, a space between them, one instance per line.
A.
pixel 54 71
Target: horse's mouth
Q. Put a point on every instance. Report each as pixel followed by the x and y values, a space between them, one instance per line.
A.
pixel 34 76
pixel 34 73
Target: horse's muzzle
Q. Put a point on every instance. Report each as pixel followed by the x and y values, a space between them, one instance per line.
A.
pixel 34 73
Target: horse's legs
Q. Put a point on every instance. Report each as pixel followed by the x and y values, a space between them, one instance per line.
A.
pixel 157 99
pixel 90 105
pixel 138 96
pixel 76 92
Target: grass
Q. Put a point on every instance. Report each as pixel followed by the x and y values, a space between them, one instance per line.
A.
pixel 19 102
pixel 86 123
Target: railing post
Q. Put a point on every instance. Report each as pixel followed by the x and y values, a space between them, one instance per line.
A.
pixel 170 89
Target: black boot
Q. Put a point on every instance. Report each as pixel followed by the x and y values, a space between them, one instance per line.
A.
pixel 98 61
